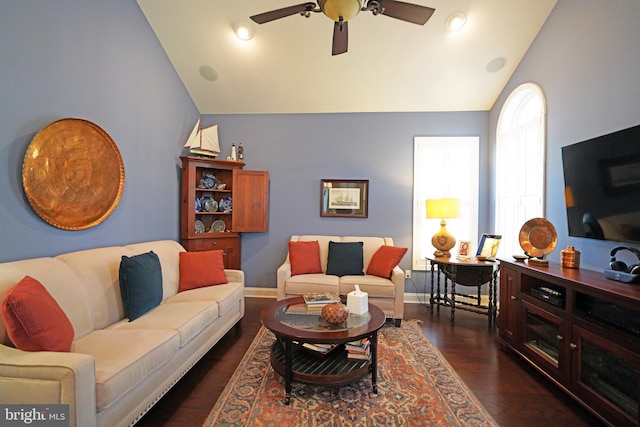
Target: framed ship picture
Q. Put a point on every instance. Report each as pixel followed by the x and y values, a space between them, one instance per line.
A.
pixel 344 198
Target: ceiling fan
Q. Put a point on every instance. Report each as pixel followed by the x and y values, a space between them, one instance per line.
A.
pixel 341 11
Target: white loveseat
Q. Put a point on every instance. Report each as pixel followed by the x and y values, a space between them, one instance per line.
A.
pixel 386 293
pixel 116 369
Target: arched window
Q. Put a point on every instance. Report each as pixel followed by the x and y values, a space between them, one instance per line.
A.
pixel 520 164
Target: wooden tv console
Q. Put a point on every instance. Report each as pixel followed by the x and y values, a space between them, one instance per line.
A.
pixel 581 330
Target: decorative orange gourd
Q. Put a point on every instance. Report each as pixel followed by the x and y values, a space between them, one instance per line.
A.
pixel 335 313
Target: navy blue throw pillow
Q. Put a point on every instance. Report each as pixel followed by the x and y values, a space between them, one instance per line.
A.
pixel 345 259
pixel 140 284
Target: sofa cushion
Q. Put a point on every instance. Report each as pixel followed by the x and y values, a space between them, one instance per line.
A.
pixel 345 258
pixel 201 268
pixel 33 318
pixel 227 296
pixel 384 260
pixel 374 286
pixel 187 318
pixel 302 283
pixel 140 284
pixel 125 358
pixel 168 252
pixel 304 257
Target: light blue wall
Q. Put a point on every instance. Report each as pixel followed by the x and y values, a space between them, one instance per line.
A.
pixel 97 60
pixel 586 59
pixel 100 60
pixel 299 150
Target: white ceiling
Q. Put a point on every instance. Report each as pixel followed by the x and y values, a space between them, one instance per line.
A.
pixel 391 65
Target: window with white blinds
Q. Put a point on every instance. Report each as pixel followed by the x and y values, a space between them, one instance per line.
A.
pixel 520 164
pixel 444 167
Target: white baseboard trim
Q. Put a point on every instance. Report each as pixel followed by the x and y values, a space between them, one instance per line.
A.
pixel 261 292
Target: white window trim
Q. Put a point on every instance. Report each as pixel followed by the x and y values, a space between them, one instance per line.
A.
pixel 506 131
pixel 444 176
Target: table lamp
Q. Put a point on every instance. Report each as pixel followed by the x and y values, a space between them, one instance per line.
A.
pixel 443 241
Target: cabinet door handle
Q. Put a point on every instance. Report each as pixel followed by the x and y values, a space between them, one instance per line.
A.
pixel 573 346
pixel 559 337
pixel 513 297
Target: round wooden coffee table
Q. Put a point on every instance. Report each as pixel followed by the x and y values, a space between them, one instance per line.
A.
pixel 292 330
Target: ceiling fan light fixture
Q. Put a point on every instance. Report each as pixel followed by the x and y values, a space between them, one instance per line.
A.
pixel 456 21
pixel 243 31
pixel 340 10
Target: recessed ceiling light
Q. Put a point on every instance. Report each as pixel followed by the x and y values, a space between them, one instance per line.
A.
pixel 243 30
pixel 208 73
pixel 496 64
pixel 456 21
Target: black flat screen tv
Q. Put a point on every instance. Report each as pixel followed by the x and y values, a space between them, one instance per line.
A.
pixel 602 186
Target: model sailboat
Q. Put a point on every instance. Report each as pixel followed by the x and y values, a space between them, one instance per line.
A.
pixel 204 141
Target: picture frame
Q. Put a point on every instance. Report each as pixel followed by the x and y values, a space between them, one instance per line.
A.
pixel 344 198
pixel 464 249
pixel 488 247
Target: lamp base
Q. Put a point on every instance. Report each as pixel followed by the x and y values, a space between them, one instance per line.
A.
pixel 443 241
pixel 442 254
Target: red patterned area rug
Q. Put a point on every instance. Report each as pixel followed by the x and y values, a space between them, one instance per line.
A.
pixel 416 387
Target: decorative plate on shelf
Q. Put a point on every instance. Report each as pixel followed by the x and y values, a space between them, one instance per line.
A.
pixel 218 226
pixel 225 204
pixel 210 205
pixel 538 237
pixel 208 181
pixel 199 227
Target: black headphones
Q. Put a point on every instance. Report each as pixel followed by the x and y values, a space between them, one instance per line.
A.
pixel 621 266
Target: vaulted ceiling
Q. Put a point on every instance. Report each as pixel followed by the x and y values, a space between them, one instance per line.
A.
pixel 391 65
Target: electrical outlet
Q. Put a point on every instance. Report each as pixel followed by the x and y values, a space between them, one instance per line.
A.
pixel 407 274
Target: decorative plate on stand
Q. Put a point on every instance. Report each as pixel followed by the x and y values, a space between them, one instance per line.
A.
pixel 538 237
pixel 225 204
pixel 218 226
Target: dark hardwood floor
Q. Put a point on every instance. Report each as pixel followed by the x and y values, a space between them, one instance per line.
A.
pixel 514 393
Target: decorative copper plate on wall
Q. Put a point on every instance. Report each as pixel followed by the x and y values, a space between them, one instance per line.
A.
pixel 538 237
pixel 73 174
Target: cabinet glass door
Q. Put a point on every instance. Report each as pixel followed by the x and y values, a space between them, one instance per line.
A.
pixel 543 336
pixel 607 373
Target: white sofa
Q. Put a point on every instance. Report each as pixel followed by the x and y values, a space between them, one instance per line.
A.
pixel 116 370
pixel 387 294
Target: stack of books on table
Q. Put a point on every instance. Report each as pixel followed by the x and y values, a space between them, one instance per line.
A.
pixel 317 349
pixel 360 349
pixel 313 303
pixel 319 300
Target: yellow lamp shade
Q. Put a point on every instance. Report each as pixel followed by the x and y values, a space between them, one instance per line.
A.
pixel 443 208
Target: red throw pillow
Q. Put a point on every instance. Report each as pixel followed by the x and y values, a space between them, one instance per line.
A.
pixel 384 260
pixel 203 268
pixel 305 257
pixel 33 318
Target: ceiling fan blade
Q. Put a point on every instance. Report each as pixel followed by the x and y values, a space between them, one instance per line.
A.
pixel 408 12
pixel 340 38
pixel 261 18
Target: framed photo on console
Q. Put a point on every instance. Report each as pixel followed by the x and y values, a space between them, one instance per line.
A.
pixel 464 249
pixel 344 197
pixel 488 247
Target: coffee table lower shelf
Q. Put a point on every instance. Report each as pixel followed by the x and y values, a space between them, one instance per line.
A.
pixel 334 369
